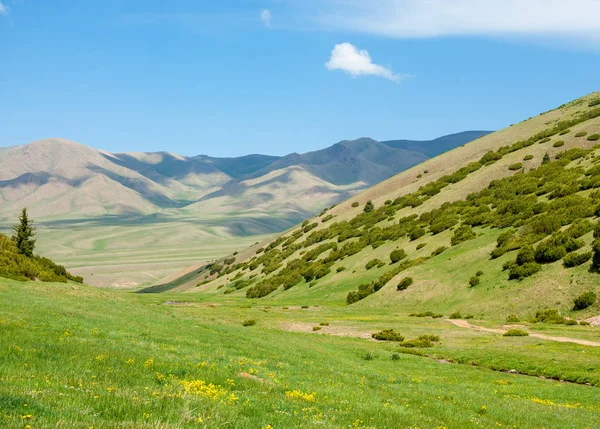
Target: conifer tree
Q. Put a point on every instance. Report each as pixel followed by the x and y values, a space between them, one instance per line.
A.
pixel 369 207
pixel 546 159
pixel 23 234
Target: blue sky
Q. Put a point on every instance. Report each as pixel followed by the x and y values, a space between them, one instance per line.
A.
pixel 228 78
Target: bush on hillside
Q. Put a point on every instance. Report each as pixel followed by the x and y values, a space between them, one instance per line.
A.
pixel 416 233
pixel 421 245
pixel 388 335
pixel 249 322
pixel 576 259
pixel 474 281
pixel 355 204
pixel 405 283
pixel 439 251
pixel 462 233
pixel 594 102
pixel 369 207
pixel 584 301
pixel 456 315
pixel 373 263
pixel 515 166
pixel 594 137
pixel 581 134
pixel 549 315
pixel 544 140
pixel 516 333
pixel 397 255
pixel 512 319
pixel 564 132
pixel 559 143
pixel 519 272
pixel 527 157
pixel 422 341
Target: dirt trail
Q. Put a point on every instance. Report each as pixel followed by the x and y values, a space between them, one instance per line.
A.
pixel 465 324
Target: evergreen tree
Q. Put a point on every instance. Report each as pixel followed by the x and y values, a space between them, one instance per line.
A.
pixel 546 159
pixel 369 207
pixel 23 234
pixel 596 257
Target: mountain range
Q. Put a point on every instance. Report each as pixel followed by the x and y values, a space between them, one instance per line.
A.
pixel 57 178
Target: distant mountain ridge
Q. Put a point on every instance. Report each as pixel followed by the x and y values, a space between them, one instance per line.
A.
pixel 58 178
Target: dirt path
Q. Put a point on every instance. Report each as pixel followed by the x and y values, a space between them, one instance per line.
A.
pixel 465 324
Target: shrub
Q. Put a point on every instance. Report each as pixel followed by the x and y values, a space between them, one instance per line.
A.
pixel 395 356
pixel 596 256
pixel 474 281
pixel 564 132
pixel 405 283
pixel 549 315
pixel 595 102
pixel 545 140
pixel 559 143
pixel 327 218
pixel 519 272
pixel 416 233
pixel 340 269
pixel 417 343
pixel 421 245
pixel 479 273
pixel 369 207
pixel 584 301
pixel 462 233
pixel 456 315
pixel 527 157
pixel 397 255
pixel 512 319
pixel 305 306
pixel 388 335
pixel 355 204
pixel 516 333
pixel 372 263
pixel 581 134
pixel 548 252
pixel 515 166
pixel 525 255
pixel 546 159
pixel 439 251
pixel 576 259
pixel 324 324
pixel 419 176
pixel 249 322
pixel 594 137
pixel 316 328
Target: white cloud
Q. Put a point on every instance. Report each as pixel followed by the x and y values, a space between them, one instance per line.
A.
pixel 357 62
pixel 3 10
pixel 571 19
pixel 266 17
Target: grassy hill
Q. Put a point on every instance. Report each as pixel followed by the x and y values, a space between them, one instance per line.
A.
pixel 520 221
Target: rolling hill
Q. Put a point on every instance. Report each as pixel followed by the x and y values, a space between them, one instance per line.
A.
pixel 58 178
pixel 517 209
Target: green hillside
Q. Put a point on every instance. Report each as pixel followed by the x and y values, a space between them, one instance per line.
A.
pixel 518 208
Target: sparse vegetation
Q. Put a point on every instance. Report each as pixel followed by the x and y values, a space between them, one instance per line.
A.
pixel 388 335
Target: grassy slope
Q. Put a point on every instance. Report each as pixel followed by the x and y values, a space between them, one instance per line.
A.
pixel 93 358
pixel 442 282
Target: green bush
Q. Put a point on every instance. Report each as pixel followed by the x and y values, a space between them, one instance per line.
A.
pixel 519 272
pixel 421 245
pixel 439 251
pixel 462 233
pixel 527 157
pixel 249 322
pixel 355 204
pixel 316 328
pixel 516 333
pixel 576 259
pixel 594 137
pixel 397 255
pixel 584 301
pixel 512 319
pixel 545 140
pixel 474 281
pixel 388 335
pixel 373 263
pixel 479 273
pixel 327 218
pixel 405 283
pixel 456 315
pixel 564 132
pixel 515 166
pixel 340 269
pixel 581 134
pixel 369 207
pixel 559 143
pixel 549 315
pixel 594 102
pixel 548 252
pixel 416 233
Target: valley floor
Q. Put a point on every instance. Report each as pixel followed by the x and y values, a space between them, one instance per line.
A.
pixel 75 356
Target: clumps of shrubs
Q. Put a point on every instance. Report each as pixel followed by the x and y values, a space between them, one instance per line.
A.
pixel 594 137
pixel 421 245
pixel 388 335
pixel 474 281
pixel 397 255
pixel 249 322
pixel 422 341
pixel 527 157
pixel 374 263
pixel 512 319
pixel 462 233
pixel 585 300
pixel 316 328
pixel 550 316
pixel 516 166
pixel 404 283
pixel 427 314
pixel 369 207
pixel 439 251
pixel 576 259
pixel 456 315
pixel 516 333
pixel 581 134
pixel 558 143
pixel 355 204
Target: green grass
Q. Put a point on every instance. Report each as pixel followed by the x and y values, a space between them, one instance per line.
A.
pixel 88 357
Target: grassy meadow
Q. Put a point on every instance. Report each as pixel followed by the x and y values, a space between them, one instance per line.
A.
pixel 75 356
